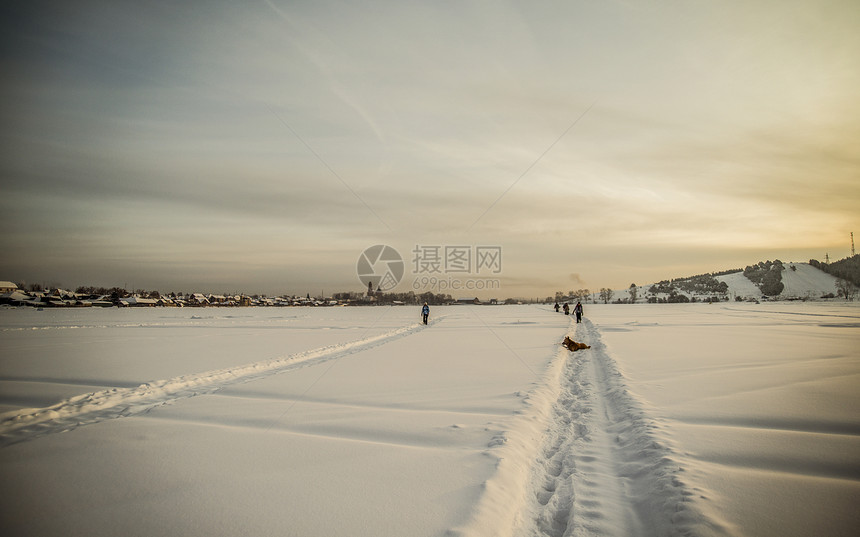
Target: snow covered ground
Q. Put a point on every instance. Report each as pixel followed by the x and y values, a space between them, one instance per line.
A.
pixel 696 419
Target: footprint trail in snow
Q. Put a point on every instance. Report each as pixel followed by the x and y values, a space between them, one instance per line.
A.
pixel 601 471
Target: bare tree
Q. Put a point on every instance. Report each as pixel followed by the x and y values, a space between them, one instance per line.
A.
pixel 634 293
pixel 606 295
pixel 846 289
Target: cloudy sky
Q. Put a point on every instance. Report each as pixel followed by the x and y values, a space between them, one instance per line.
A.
pixel 262 146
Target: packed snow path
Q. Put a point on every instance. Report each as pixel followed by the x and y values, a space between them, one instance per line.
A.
pixel 576 480
pixel 94 407
pixel 598 469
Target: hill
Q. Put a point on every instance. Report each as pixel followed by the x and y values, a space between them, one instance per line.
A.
pixel 763 281
pixel 847 269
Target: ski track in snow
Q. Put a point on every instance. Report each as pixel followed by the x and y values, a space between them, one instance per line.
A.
pixel 598 469
pixel 27 424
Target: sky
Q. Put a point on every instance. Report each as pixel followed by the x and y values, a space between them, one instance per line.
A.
pixel 261 147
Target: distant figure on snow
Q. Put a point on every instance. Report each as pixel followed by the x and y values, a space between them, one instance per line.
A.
pixel 425 312
pixel 578 311
pixel 556 307
pixel 566 309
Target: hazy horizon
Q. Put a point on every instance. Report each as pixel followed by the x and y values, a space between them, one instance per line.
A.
pixel 261 148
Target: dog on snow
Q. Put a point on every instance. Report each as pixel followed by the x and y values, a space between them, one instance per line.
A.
pixel 573 345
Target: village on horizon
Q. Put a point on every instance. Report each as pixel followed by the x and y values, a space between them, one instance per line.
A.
pixel 763 281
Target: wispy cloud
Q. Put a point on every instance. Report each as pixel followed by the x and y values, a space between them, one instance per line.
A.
pixel 532 165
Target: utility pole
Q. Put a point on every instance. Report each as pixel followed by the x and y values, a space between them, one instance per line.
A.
pixel 827 258
pixel 852 244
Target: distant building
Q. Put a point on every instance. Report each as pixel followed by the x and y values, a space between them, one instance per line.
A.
pixel 136 301
pixel 474 300
pixel 7 287
pixel 197 299
pixel 14 298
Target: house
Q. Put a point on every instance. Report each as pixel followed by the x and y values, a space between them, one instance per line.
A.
pixel 467 301
pixel 103 301
pixel 7 287
pixel 62 294
pixel 15 298
pixel 137 301
pixel 197 299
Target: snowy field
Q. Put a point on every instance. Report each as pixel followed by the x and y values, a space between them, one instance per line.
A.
pixel 696 419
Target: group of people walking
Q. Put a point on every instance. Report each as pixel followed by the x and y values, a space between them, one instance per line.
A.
pixel 577 310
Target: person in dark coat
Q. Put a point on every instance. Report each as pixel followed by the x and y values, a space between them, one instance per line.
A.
pixel 556 307
pixel 566 309
pixel 425 312
pixel 578 311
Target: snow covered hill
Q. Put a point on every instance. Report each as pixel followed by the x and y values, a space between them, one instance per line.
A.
pixel 800 280
pixel 740 285
pixel 806 281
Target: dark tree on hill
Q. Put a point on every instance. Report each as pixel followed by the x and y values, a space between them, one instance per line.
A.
pixel 606 295
pixel 771 283
pixel 847 269
pixel 634 293
pixel 767 276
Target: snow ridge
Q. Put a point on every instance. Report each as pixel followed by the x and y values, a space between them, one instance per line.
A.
pixel 583 460
pixel 648 473
pixel 26 424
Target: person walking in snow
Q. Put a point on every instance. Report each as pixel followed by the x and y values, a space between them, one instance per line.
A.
pixel 566 309
pixel 556 307
pixel 578 311
pixel 425 312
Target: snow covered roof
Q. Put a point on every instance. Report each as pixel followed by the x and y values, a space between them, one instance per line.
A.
pixel 15 296
pixel 138 300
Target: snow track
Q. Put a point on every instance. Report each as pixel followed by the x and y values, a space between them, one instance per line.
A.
pixel 596 466
pixel 576 486
pixel 26 424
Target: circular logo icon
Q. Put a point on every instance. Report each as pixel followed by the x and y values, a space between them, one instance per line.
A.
pixel 380 268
